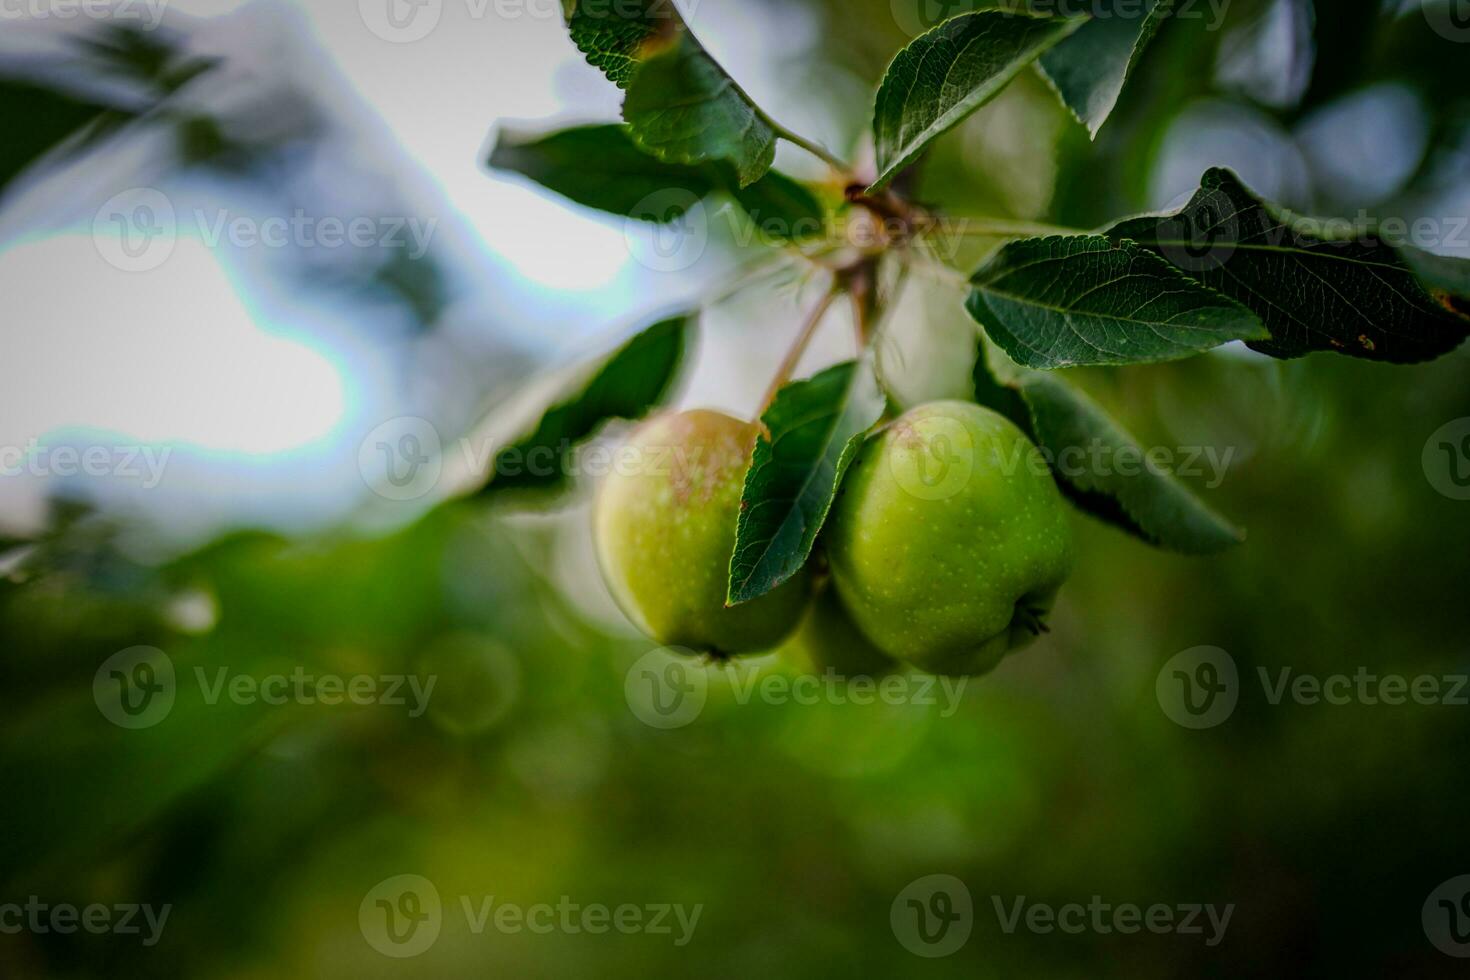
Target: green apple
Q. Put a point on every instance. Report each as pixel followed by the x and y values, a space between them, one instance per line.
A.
pixel 665 529
pixel 828 640
pixel 949 539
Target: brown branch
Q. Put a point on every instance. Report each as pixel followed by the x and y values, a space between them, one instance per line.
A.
pixel 798 348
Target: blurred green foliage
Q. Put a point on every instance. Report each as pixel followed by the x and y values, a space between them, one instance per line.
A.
pixel 1058 778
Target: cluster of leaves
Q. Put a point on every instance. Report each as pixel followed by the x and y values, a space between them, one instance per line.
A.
pixel 1226 267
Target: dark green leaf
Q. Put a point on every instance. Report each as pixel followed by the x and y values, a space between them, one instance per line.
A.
pixel 616 37
pixel 1090 68
pixel 948 73
pixel 625 384
pixel 37 119
pixel 1088 450
pixel 780 206
pixel 1063 301
pixel 601 167
pixel 90 783
pixel 814 429
pixel 681 104
pixel 1315 291
pixel 1447 277
pixel 685 109
pixel 998 396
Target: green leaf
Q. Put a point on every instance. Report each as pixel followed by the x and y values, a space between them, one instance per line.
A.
pixel 90 783
pixel 600 167
pixel 948 73
pixel 1447 277
pixel 685 109
pixel 625 384
pixel 1090 68
pixel 1082 300
pixel 682 106
pixel 998 396
pixel 39 119
pixel 1148 502
pixel 616 37
pixel 783 208
pixel 814 430
pixel 1314 291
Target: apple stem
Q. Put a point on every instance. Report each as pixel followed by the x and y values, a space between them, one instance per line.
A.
pixel 860 283
pixel 1033 619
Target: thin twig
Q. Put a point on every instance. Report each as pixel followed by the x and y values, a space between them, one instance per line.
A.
pixel 860 321
pixel 798 348
pixel 796 139
pixel 862 286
